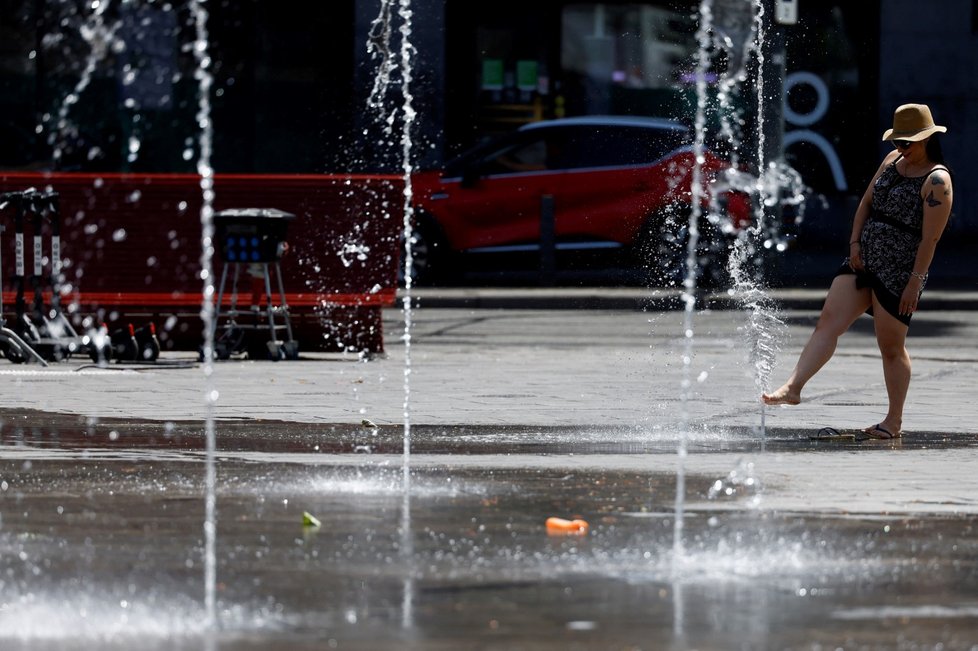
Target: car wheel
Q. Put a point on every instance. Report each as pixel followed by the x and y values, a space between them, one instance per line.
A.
pixel 661 253
pixel 428 255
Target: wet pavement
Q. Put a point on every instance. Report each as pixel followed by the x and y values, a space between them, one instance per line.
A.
pixel 516 415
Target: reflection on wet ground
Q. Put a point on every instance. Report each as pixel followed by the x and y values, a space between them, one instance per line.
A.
pixel 66 431
pixel 101 539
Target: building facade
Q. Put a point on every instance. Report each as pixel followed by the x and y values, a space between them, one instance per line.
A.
pixel 118 90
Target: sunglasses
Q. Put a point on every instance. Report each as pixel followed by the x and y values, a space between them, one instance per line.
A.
pixel 902 144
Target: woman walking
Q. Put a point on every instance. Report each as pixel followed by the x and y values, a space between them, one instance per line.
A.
pixel 895 232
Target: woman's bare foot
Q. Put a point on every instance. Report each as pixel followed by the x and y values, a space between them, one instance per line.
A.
pixel 783 396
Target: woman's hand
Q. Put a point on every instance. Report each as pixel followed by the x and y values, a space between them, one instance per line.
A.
pixel 910 296
pixel 855 257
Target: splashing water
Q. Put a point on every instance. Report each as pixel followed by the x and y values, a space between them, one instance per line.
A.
pixel 763 331
pixel 101 40
pixel 689 285
pixel 775 185
pixel 735 29
pixel 739 482
pixel 207 312
pixel 764 328
pixel 379 47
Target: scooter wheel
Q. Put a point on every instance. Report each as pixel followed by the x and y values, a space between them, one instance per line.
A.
pixel 14 354
pixel 150 352
pixel 103 354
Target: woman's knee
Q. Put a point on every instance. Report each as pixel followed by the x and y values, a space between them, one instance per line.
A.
pixel 892 345
pixel 891 334
pixel 833 322
pixel 894 353
pixel 843 305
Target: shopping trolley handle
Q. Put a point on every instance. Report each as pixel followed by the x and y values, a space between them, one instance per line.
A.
pixel 42 203
pixel 8 197
pixel 20 195
pixel 46 202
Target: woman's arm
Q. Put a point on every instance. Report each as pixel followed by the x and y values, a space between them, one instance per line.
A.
pixel 938 196
pixel 862 213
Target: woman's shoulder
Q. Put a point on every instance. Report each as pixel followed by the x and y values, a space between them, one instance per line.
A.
pixel 940 171
pixel 940 175
pixel 891 158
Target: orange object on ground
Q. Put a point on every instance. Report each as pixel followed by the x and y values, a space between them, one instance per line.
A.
pixel 562 527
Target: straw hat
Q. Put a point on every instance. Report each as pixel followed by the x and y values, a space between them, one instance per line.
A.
pixel 912 122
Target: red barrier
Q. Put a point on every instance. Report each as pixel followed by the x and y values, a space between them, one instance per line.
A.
pixel 131 246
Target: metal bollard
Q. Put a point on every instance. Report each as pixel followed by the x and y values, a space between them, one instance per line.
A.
pixel 548 235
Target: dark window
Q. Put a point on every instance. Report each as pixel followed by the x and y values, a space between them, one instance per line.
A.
pixel 564 148
pixel 525 156
pixel 614 146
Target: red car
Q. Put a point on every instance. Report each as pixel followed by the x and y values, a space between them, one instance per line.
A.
pixel 608 185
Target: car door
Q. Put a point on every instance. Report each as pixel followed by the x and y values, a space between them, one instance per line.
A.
pixel 617 176
pixel 493 202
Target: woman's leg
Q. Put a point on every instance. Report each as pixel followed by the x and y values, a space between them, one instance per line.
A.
pixel 843 305
pixel 891 336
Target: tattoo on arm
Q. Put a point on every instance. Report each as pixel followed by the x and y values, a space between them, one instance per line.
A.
pixel 939 180
pixel 931 201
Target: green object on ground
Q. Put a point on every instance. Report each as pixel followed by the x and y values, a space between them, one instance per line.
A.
pixel 309 520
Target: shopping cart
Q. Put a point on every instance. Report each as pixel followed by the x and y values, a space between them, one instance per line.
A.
pixel 252 241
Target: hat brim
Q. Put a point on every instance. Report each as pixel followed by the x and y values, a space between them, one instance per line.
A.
pixel 913 136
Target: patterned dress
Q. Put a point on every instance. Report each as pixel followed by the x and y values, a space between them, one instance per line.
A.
pixel 890 237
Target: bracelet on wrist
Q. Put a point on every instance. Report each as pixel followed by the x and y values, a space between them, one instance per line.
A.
pixel 922 277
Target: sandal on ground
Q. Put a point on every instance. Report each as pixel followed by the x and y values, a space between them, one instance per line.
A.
pixel 831 434
pixel 879 432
